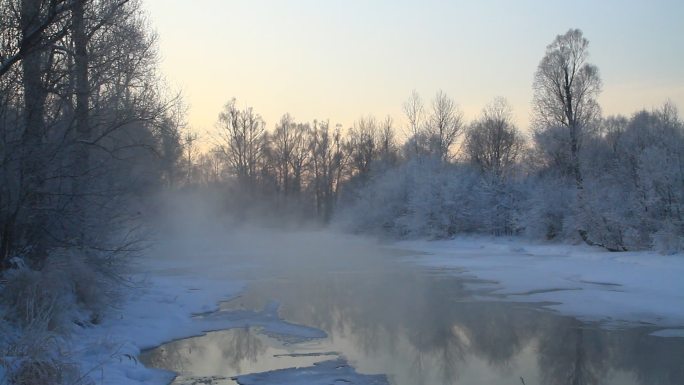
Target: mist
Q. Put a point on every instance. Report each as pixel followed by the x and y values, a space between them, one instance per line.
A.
pixel 204 230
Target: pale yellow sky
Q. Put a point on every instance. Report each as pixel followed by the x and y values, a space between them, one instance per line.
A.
pixel 340 60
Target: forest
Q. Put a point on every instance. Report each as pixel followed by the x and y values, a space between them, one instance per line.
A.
pixel 91 135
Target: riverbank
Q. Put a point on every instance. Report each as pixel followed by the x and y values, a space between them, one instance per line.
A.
pixel 169 292
pixel 585 282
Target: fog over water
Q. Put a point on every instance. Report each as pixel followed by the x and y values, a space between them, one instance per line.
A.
pixel 417 326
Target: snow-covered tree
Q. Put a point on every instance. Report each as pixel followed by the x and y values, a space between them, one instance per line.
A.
pixel 493 143
pixel 565 91
pixel 443 126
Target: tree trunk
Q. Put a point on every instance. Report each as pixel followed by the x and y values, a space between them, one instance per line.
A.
pixel 82 156
pixel 32 160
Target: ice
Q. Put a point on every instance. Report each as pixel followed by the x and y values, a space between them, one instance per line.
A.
pixel 581 281
pixel 323 373
pixel 267 320
pixel 669 333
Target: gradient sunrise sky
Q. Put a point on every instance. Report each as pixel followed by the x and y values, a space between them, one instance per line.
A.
pixel 340 60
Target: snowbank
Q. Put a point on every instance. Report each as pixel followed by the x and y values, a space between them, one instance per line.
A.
pixel 159 312
pixel 581 281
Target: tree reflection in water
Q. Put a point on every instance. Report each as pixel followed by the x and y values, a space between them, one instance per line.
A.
pixel 570 353
pixel 434 326
pixel 235 347
pixel 239 346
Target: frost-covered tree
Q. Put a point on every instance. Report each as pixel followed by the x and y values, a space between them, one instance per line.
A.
pixel 565 91
pixel 443 126
pixel 565 111
pixel 82 118
pixel 388 152
pixel 649 166
pixel 414 110
pixel 492 142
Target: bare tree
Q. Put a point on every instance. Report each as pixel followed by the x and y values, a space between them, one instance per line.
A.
pixel 300 156
pixel 171 149
pixel 289 153
pixel 328 163
pixel 210 167
pixel 189 147
pixel 493 143
pixel 444 125
pixel 362 146
pixel 84 85
pixel 42 24
pixel 387 145
pixel 415 114
pixel 565 91
pixel 281 149
pixel 242 134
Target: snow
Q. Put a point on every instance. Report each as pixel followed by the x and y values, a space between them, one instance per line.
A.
pixel 581 281
pixel 159 312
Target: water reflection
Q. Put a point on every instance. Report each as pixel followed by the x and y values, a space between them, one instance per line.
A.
pixel 427 329
pixel 223 354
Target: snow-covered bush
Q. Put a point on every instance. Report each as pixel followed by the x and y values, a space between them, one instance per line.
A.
pixel 547 208
pixel 40 309
pixel 669 239
pixel 427 198
pixel 633 177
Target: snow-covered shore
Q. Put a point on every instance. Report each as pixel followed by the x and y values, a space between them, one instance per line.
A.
pixel 585 282
pixel 161 310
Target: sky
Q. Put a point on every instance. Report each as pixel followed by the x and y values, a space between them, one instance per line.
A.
pixel 341 60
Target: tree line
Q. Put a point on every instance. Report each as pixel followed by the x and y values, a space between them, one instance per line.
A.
pixel 614 182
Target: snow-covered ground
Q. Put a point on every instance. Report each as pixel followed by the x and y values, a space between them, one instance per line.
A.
pixel 159 311
pixel 581 281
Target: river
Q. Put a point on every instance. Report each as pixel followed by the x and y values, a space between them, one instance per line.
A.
pixel 414 326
